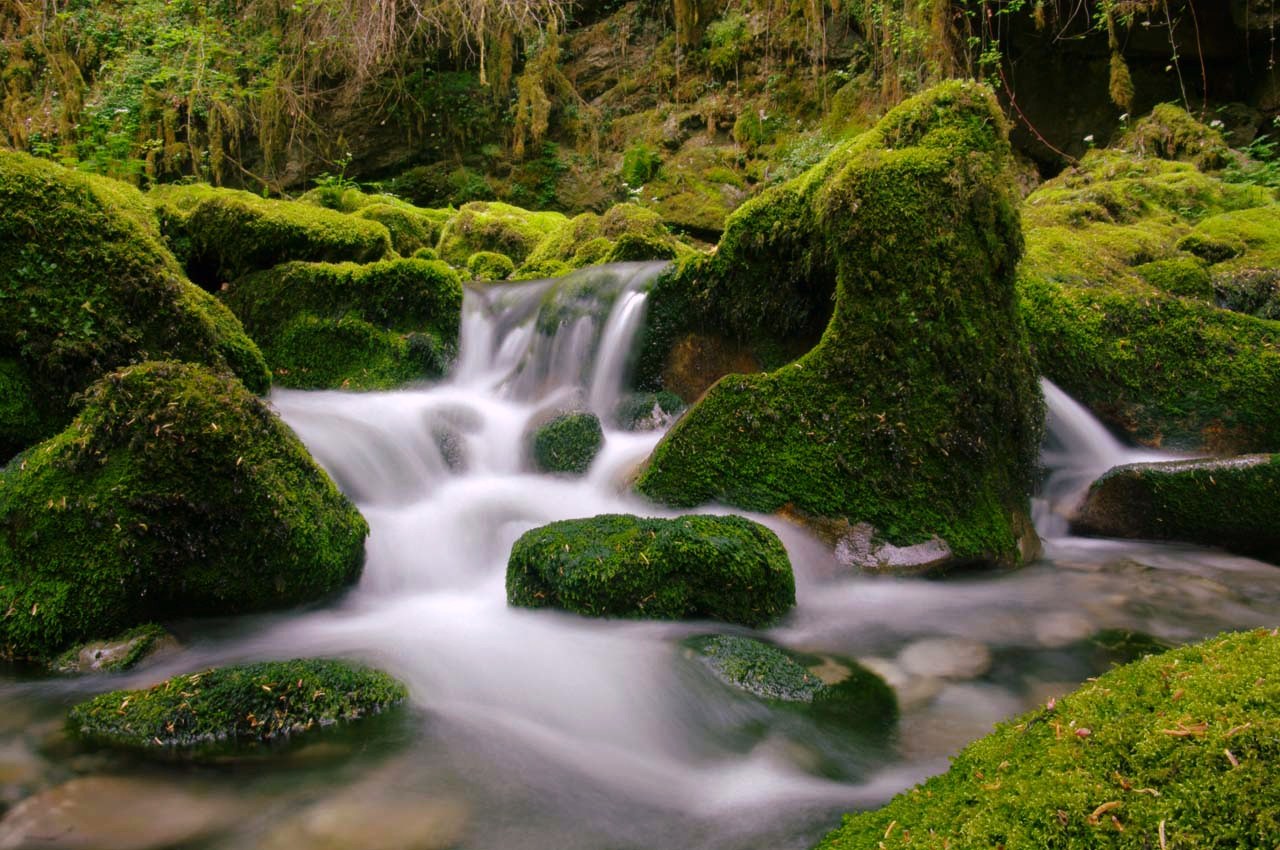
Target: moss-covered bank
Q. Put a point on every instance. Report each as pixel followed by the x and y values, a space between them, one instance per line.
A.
pixel 254 703
pixel 1128 260
pixel 918 411
pixel 1176 750
pixel 342 324
pixel 86 286
pixel 714 567
pixel 222 234
pixel 1233 503
pixel 174 493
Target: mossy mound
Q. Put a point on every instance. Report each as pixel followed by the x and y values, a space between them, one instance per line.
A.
pixel 174 493
pixel 861 699
pixel 625 233
pixel 1176 750
pixel 567 444
pixel 88 286
pixel 918 411
pixel 410 227
pixel 490 265
pixel 222 234
pixel 715 567
pixel 1170 132
pixel 491 226
pixel 1233 503
pixel 363 327
pixel 255 703
pixel 1113 294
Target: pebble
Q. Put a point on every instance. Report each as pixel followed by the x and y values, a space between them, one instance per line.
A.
pixel 946 658
pixel 114 813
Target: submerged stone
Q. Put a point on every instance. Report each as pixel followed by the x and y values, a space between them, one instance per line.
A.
pixel 567 444
pixel 1233 503
pixel 175 493
pixel 255 703
pixel 122 652
pixel 1180 745
pixel 694 567
pixel 918 411
pixel 88 286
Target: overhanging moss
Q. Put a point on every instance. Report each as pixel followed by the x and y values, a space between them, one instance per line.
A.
pixel 175 493
pixel 1176 750
pixel 86 285
pixel 918 411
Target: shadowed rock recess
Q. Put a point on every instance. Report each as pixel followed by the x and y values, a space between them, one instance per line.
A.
pixel 918 411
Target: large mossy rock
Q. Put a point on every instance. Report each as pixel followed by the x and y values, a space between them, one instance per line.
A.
pixel 87 286
pixel 174 493
pixel 1233 503
pixel 708 567
pixel 222 234
pixel 1128 263
pixel 918 411
pixel 1176 750
pixel 256 703
pixel 341 324
pixel 491 226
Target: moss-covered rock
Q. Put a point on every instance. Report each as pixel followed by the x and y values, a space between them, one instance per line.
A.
pixel 860 699
pixel 1233 503
pixel 1113 296
pixel 410 228
pixel 1169 132
pixel 86 286
pixel 174 493
pixel 491 226
pixel 122 652
pixel 490 265
pixel 222 234
pixel 625 233
pixel 567 443
pixel 341 324
pixel 1176 750
pixel 918 411
pixel 255 703
pixel 714 567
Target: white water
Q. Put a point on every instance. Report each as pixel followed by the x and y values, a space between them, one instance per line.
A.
pixel 564 733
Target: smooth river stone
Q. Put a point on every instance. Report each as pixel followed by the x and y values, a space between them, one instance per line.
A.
pixel 365 822
pixel 946 658
pixel 114 813
pixel 958 716
pixel 912 691
pixel 1062 628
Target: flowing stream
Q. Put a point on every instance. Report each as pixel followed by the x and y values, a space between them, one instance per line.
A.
pixel 537 729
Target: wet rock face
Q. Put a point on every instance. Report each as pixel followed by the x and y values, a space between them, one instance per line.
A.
pixel 861 550
pixel 1232 503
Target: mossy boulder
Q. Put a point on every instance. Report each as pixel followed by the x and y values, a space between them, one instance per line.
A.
pixel 174 493
pixel 567 443
pixel 490 265
pixel 1176 750
pixel 251 704
pixel 860 699
pixel 694 567
pixel 222 234
pixel 1112 292
pixel 409 227
pixel 1233 503
pixel 626 233
pixel 491 226
pixel 340 324
pixel 918 411
pixel 86 286
pixel 1170 132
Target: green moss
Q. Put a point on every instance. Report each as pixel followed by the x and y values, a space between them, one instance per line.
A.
pixel 625 233
pixel 484 226
pixel 567 444
pixel 88 287
pixel 489 265
pixel 122 652
pixel 918 411
pixel 1178 750
pixel 1101 291
pixel 723 568
pixel 362 327
pixel 1169 132
pixel 222 234
pixel 174 493
pixel 1231 503
pixel 253 703
pixel 410 227
pixel 640 164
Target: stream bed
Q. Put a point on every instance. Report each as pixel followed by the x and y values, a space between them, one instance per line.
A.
pixel 546 731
